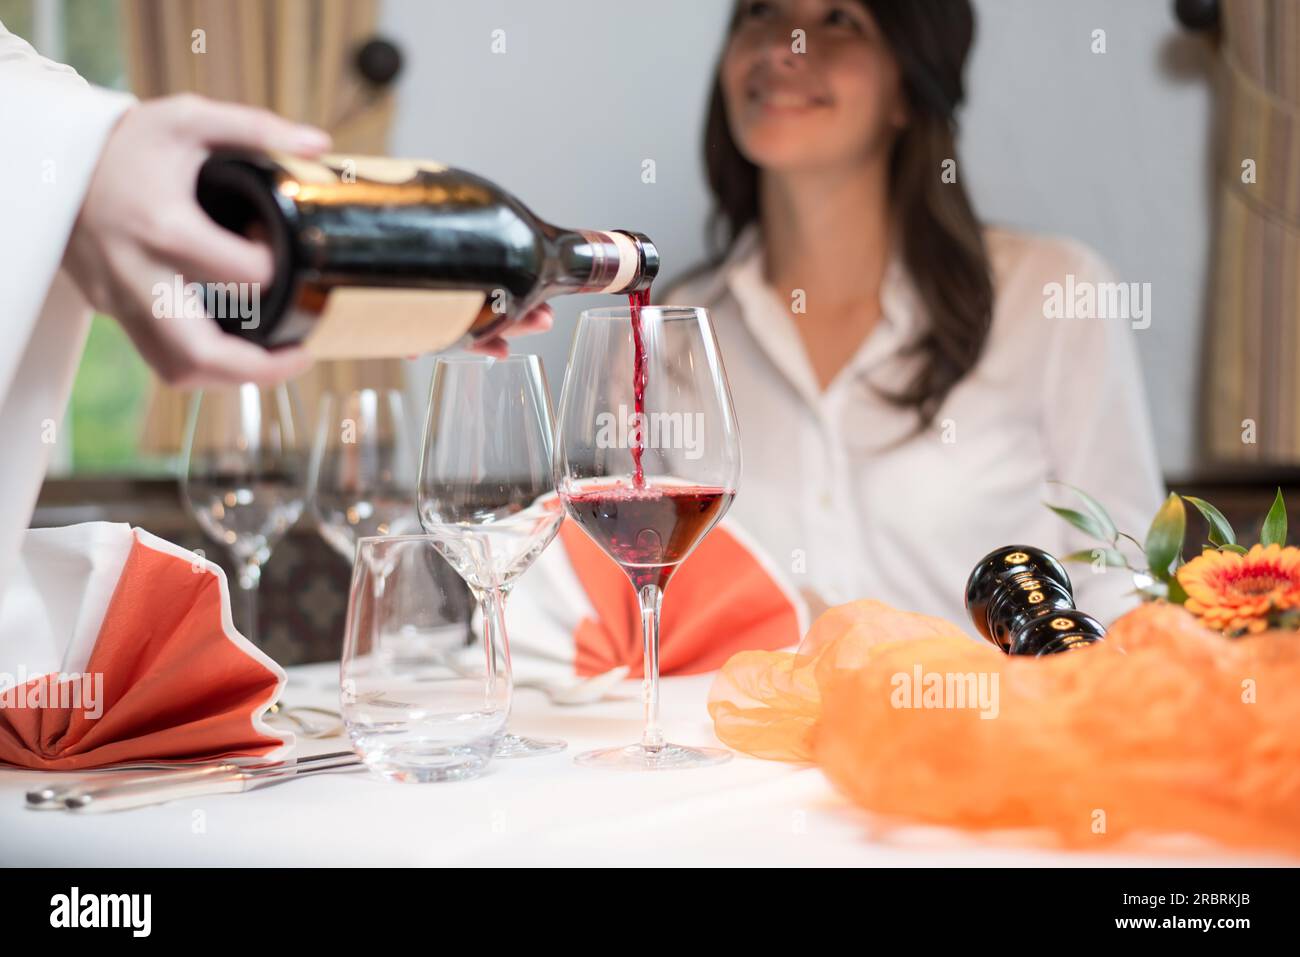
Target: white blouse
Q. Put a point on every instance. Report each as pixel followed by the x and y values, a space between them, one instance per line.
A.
pixel 850 511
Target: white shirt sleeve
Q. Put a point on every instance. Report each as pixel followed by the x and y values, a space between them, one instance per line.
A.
pixel 1099 436
pixel 54 126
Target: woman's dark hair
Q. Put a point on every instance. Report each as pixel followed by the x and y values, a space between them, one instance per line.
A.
pixel 942 243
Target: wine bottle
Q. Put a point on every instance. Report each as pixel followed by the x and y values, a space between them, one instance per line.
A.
pixel 380 257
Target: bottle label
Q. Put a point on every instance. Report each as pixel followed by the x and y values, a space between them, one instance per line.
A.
pixel 376 323
pixel 339 168
pixel 615 245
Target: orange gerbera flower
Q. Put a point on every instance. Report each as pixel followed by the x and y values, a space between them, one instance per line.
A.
pixel 1230 592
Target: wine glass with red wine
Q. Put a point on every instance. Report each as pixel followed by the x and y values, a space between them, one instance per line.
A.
pixel 647 460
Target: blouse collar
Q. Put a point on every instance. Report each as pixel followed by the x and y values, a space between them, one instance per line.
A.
pixel 769 318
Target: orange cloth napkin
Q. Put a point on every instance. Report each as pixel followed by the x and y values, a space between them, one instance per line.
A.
pixel 575 611
pixel 1165 729
pixel 152 667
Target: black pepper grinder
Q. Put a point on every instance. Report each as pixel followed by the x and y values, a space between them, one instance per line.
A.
pixel 1020 599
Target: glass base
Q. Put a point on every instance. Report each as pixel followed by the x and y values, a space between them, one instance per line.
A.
pixel 515 746
pixel 635 757
pixel 425 765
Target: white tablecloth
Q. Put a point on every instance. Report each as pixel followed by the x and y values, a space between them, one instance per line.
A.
pixel 543 810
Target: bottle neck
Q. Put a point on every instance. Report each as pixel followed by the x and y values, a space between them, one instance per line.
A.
pixel 600 261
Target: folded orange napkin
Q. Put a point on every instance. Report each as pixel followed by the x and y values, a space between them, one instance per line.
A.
pixel 117 646
pixel 575 612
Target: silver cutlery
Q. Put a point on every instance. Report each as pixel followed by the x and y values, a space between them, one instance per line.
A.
pixel 563 693
pixel 293 714
pixel 587 691
pixel 141 793
pixel 51 796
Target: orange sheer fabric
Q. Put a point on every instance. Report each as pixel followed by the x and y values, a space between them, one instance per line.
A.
pixel 1166 728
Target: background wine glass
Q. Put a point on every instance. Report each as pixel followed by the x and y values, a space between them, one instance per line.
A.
pixel 363 468
pixel 690 460
pixel 243 476
pixel 486 490
pixel 361 483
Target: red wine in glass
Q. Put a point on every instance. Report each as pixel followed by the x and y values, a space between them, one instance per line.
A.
pixel 648 530
pixel 647 502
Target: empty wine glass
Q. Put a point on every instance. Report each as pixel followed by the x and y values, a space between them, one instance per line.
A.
pixel 418 704
pixel 363 467
pixel 243 476
pixel 486 492
pixel 647 462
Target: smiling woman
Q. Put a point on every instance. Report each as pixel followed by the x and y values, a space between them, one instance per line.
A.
pixel 895 355
pixel 857 99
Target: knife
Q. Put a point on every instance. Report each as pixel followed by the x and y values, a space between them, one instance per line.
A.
pixel 51 796
pixel 214 780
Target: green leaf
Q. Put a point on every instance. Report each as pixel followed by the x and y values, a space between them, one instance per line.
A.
pixel 1110 556
pixel 1085 523
pixel 1238 549
pixel 1096 511
pixel 1176 594
pixel 1164 542
pixel 1274 530
pixel 1220 531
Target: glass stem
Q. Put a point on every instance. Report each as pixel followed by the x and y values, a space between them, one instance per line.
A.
pixel 650 597
pixel 250 576
pixel 495 643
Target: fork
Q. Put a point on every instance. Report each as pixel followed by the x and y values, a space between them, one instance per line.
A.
pixel 586 691
pixel 305 727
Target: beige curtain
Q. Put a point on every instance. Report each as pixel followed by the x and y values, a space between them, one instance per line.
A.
pixel 1252 407
pixel 291 56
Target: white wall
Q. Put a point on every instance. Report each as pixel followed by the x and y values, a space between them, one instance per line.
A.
pixel 1111 149
pixel 1107 148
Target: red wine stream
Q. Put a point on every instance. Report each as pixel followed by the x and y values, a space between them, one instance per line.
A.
pixel 647 529
pixel 640 373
